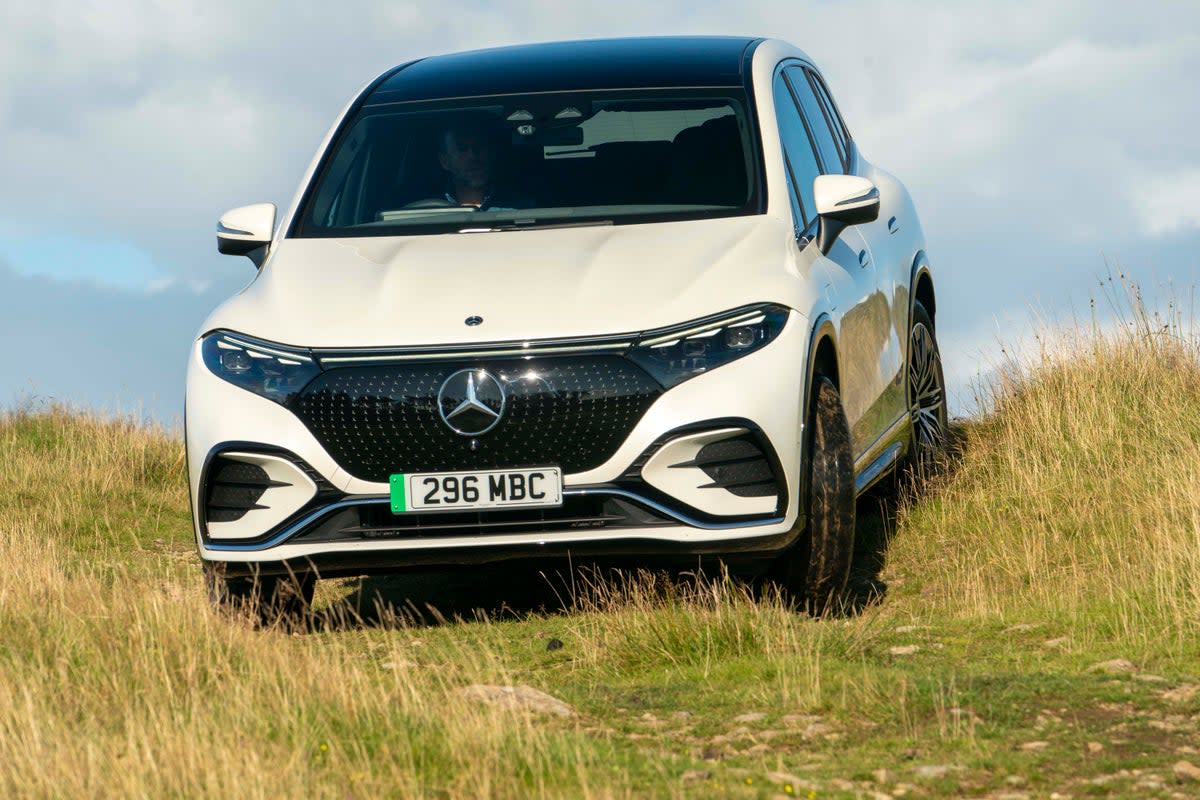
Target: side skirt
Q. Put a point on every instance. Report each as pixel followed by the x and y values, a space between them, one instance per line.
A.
pixel 882 456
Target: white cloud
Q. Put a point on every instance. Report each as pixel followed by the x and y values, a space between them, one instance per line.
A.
pixel 1169 202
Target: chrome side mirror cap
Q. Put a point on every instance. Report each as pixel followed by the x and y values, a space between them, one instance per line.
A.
pixel 843 200
pixel 246 231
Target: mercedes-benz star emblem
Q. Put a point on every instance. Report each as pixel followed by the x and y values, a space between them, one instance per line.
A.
pixel 471 402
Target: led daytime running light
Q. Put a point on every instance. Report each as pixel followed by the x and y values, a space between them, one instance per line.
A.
pixel 268 370
pixel 679 354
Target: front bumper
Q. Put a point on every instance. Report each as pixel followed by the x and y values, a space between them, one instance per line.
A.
pixel 337 522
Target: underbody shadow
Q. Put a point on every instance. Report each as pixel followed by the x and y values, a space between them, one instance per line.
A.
pixel 876 522
pixel 507 590
pixel 435 597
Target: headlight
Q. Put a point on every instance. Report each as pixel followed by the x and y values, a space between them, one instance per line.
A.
pixel 672 356
pixel 269 370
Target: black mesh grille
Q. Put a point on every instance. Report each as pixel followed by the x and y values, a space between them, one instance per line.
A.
pixel 234 488
pixel 568 412
pixel 738 465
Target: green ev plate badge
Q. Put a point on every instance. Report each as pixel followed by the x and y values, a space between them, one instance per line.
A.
pixel 399 501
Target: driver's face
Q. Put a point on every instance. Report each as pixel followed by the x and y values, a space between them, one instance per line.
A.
pixel 467 156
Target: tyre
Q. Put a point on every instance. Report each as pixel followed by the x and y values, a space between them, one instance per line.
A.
pixel 926 397
pixel 813 573
pixel 269 599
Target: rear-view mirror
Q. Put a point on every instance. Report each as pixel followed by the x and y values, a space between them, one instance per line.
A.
pixel 843 200
pixel 246 231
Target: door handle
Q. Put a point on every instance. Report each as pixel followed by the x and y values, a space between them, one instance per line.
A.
pixel 893 225
pixel 863 258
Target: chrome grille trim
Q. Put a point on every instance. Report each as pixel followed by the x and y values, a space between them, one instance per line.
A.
pixel 544 347
pixel 516 349
pixel 609 343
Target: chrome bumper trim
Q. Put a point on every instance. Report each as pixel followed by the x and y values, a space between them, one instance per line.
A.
pixel 316 515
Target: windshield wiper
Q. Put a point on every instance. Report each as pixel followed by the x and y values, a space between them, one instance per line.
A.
pixel 533 224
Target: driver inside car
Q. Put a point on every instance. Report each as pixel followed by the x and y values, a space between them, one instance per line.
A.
pixel 468 155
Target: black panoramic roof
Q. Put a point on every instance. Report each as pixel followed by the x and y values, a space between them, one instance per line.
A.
pixel 644 63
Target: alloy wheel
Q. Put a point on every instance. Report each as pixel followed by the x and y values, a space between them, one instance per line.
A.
pixel 926 398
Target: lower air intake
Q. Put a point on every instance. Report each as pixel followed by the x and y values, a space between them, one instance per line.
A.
pixel 739 466
pixel 577 513
pixel 234 488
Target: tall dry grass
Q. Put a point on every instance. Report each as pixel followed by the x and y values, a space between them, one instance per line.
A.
pixel 1077 498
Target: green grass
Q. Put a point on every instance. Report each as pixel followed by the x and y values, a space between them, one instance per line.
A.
pixel 1065 532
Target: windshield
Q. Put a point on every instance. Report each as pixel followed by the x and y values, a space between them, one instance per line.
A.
pixel 537 161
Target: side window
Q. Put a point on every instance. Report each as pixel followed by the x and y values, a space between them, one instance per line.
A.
pixel 798 152
pixel 831 155
pixel 838 124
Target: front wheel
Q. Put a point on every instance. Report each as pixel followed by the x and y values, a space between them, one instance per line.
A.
pixel 813 573
pixel 269 599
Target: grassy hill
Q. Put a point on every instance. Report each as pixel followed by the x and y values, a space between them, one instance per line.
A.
pixel 1029 629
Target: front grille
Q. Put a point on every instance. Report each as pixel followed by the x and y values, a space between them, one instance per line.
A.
pixel 570 412
pixel 234 488
pixel 586 512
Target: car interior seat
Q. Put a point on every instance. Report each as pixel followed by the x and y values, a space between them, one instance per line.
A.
pixel 708 166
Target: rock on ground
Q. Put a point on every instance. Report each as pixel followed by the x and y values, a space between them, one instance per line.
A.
pixel 785 778
pixel 1186 772
pixel 1182 694
pixel 519 697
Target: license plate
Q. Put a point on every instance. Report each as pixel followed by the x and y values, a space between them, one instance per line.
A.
pixel 464 491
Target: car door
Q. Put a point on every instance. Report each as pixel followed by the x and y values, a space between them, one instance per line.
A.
pixel 857 305
pixel 843 270
pixel 891 263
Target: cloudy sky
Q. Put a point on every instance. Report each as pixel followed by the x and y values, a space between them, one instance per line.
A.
pixel 1042 142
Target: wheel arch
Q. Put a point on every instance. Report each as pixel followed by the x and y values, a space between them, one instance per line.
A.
pixel 822 356
pixel 823 361
pixel 922 291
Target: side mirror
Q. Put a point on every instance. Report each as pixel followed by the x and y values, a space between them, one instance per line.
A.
pixel 843 200
pixel 246 231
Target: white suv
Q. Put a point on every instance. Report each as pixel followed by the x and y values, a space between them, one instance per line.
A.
pixel 634 297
